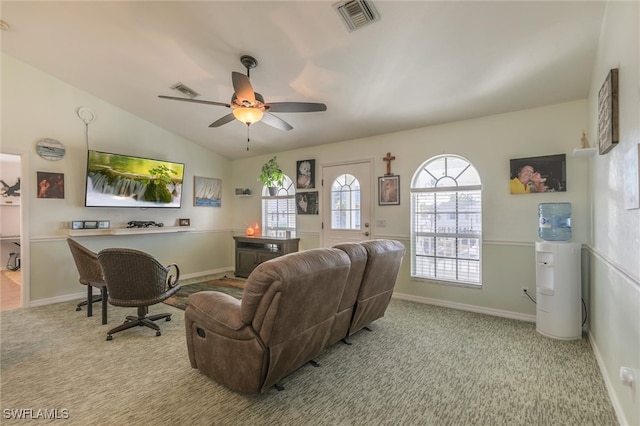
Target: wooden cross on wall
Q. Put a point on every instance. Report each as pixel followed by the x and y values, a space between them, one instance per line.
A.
pixel 388 159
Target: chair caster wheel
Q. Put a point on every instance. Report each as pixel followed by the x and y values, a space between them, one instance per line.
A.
pixel 78 308
pixel 109 337
pixel 168 318
pixel 158 333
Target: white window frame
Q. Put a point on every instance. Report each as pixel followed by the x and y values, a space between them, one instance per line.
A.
pixel 350 211
pixel 439 186
pixel 285 207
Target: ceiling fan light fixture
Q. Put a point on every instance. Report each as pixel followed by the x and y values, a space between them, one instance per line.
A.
pixel 248 115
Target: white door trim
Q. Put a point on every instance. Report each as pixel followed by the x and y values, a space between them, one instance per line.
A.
pixel 368 160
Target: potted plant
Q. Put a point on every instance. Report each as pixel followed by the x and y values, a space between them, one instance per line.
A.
pixel 271 176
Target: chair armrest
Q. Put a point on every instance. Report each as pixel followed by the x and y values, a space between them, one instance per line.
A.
pixel 173 274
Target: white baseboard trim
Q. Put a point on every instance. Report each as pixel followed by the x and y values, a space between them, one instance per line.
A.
pixel 83 294
pixel 225 270
pixel 51 300
pixel 465 307
pixel 607 382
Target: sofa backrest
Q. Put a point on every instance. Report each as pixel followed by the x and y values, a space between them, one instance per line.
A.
pixel 384 258
pixel 291 303
pixel 358 256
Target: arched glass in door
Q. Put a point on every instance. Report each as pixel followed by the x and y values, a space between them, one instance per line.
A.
pixel 345 202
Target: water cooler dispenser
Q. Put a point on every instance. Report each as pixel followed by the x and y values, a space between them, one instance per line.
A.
pixel 558 283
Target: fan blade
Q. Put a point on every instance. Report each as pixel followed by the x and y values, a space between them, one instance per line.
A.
pixel 296 107
pixel 242 87
pixel 195 101
pixel 222 120
pixel 276 122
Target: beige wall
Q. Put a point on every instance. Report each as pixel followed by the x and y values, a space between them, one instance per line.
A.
pixel 615 231
pixel 35 106
pixel 510 222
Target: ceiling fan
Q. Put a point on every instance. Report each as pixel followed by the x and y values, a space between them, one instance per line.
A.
pixel 249 107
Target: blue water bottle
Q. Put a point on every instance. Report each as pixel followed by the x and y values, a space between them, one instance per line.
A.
pixel 554 221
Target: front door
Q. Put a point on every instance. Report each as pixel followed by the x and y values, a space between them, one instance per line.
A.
pixel 346 203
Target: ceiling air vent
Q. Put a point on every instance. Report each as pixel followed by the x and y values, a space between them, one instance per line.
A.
pixel 356 13
pixel 190 93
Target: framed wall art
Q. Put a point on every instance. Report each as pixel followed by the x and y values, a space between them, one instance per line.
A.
pixel 532 175
pixel 10 190
pixel 50 185
pixel 388 190
pixel 307 202
pixel 608 113
pixel 207 192
pixel 306 174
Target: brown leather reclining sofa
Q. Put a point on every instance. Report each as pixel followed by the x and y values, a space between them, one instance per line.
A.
pixel 292 309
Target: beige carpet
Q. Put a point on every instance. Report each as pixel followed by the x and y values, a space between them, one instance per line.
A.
pixel 422 365
pixel 230 286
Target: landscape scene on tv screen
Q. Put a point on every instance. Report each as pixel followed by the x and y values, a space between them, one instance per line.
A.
pixel 115 180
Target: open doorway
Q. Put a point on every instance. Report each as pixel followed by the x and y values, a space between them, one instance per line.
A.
pixel 10 231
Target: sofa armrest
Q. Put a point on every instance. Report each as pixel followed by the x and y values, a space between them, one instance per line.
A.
pixel 218 311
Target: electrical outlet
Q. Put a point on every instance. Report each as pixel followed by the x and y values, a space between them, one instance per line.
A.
pixel 524 291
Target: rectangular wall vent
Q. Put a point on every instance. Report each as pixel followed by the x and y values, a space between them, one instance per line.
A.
pixel 190 93
pixel 357 13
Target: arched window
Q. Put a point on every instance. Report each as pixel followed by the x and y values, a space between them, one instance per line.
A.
pixel 345 202
pixel 279 210
pixel 446 221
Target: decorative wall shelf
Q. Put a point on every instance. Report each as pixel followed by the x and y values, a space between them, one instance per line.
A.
pixel 127 231
pixel 584 152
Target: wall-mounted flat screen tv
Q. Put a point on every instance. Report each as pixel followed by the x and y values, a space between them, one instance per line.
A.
pixel 116 180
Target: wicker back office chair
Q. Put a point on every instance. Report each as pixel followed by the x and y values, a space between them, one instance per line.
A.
pixel 90 276
pixel 137 279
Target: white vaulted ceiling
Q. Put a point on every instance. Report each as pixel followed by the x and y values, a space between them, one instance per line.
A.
pixel 423 63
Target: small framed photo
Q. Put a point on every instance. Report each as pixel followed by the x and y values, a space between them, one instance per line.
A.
pixel 184 222
pixel 306 174
pixel 388 190
pixel 77 224
pixel 104 224
pixel 90 224
pixel 50 185
pixel 307 202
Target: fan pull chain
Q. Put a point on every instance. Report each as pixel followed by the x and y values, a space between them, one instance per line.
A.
pixel 248 124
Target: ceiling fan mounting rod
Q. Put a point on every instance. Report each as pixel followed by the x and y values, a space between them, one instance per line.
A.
pixel 249 62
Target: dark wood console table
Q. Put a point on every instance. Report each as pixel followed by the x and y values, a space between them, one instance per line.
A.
pixel 252 251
